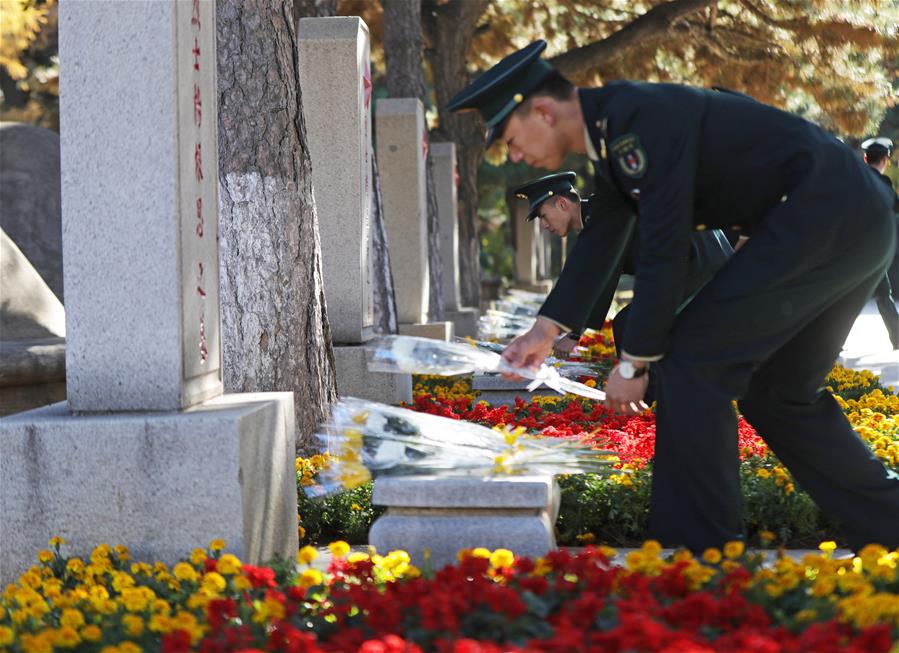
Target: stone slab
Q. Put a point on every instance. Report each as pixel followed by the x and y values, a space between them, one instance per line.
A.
pixel 435 540
pixel 541 287
pixel 401 142
pixel 496 492
pixel 336 83
pixel 28 308
pixel 496 382
pixel 355 380
pixel 139 157
pixel 29 195
pixel 445 171
pixel 433 330
pixel 159 483
pixel 465 321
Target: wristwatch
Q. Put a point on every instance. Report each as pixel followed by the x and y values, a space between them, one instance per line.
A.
pixel 628 371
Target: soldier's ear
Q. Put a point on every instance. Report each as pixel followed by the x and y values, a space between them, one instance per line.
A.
pixel 545 109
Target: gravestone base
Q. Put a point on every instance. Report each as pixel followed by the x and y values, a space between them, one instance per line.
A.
pixel 497 391
pixel 355 380
pixel 433 330
pixel 433 517
pixel 542 287
pixel 159 483
pixel 465 321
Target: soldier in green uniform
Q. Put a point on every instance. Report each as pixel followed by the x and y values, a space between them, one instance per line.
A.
pixel 767 327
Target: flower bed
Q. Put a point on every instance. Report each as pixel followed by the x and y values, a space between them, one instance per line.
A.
pixel 490 602
pixel 615 509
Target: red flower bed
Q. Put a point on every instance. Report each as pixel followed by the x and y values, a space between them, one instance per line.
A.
pixel 633 438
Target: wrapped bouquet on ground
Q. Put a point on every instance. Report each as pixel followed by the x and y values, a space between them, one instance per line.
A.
pixel 370 439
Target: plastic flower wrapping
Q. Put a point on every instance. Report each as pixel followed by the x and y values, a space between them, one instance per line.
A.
pixel 408 354
pixel 368 439
pixel 567 368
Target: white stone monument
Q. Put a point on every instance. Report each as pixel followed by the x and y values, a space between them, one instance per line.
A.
pixel 527 244
pixel 147 452
pixel 446 172
pixel 336 82
pixel 402 144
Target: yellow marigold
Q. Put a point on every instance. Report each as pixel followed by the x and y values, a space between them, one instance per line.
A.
pixel 242 583
pixel 45 556
pixel 306 555
pixel 129 647
pixel 586 538
pixel 712 556
pixel 309 578
pixel 67 637
pixel 6 636
pixel 72 618
pixel 228 565
pixel 502 558
pixel 186 572
pixel 197 557
pixel 91 633
pixel 56 541
pixel 214 582
pixel 217 545
pixel 734 549
pixel 133 625
pixel 767 536
pixel 339 549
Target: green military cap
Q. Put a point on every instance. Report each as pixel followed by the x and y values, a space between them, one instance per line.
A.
pixel 538 191
pixel 497 92
pixel 878 146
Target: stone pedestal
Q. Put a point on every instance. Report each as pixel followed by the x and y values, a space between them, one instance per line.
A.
pixel 159 483
pixel 355 380
pixel 401 143
pixel 336 82
pixel 496 390
pixel 443 515
pixel 465 322
pixel 32 374
pixel 434 330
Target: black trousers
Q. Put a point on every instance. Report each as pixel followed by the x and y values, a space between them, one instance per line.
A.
pixel 884 296
pixel 766 331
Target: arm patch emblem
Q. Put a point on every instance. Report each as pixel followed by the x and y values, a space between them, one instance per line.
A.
pixel 630 155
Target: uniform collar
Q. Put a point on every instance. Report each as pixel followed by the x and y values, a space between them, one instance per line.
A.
pixel 588 141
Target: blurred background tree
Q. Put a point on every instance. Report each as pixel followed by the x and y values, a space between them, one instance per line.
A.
pixel 29 66
pixel 832 61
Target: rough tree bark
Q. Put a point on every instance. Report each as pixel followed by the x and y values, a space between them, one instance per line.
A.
pixel 275 327
pixel 405 78
pixel 450 28
pixel 384 295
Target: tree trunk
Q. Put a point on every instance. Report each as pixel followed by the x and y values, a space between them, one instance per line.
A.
pixel 450 28
pixel 382 282
pixel 275 329
pixel 405 78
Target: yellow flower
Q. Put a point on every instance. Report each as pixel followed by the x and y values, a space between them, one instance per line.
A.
pixel 67 637
pixel 734 549
pixel 214 582
pixel 56 541
pixel 502 558
pixel 306 555
pixel 72 618
pixel 91 633
pixel 45 556
pixel 828 547
pixel 339 549
pixel 767 536
pixel 133 625
pixel 217 545
pixel 6 636
pixel 197 557
pixel 242 583
pixel 186 572
pixel 712 556
pixel 228 564
pixel 309 578
pixel 129 647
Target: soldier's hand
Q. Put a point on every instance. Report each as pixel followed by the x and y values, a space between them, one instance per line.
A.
pixel 563 346
pixel 531 348
pixel 625 396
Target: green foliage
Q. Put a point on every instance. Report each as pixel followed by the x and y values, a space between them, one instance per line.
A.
pixel 344 516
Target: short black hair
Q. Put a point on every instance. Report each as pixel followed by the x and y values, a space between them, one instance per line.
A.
pixel 876 155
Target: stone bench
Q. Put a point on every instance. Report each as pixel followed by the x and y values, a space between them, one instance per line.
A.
pixel 443 515
pixel 496 390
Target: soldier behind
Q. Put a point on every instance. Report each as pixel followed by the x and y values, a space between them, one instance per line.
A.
pixel 768 326
pixel 554 199
pixel 877 155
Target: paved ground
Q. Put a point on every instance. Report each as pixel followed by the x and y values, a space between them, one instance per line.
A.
pixel 868 347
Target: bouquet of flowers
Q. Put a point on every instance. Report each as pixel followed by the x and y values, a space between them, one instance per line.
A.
pixel 368 439
pixel 408 354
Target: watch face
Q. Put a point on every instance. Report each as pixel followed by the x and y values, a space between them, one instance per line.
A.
pixel 626 370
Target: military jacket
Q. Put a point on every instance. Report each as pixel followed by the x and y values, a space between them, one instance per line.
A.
pixel 685 159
